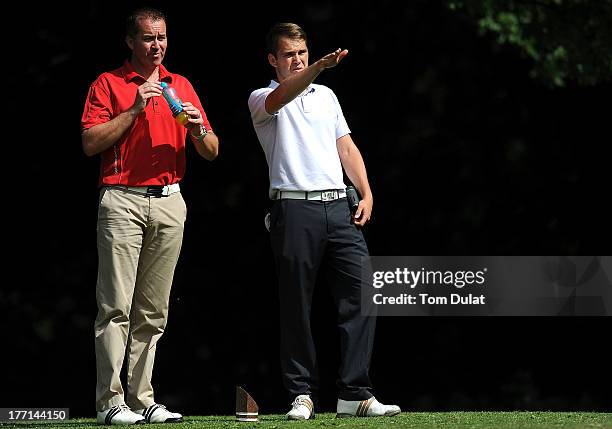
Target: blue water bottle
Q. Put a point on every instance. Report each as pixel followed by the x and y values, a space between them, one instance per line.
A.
pixel 175 103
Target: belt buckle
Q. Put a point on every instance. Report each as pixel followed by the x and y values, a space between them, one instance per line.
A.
pixel 155 191
pixel 329 195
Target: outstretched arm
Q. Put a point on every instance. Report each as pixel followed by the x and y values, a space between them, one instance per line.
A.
pixel 295 84
pixel 353 164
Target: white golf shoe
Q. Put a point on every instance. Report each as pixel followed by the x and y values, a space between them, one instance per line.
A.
pixel 302 408
pixel 158 413
pixel 366 408
pixel 119 415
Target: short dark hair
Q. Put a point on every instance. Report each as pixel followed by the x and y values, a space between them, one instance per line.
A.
pixel 131 23
pixel 283 29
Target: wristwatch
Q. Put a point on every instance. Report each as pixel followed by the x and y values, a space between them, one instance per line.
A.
pixel 202 134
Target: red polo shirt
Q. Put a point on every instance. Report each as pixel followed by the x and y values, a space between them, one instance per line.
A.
pixel 152 150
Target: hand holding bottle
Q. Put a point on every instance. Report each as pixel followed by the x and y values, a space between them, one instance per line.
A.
pixel 144 92
pixel 175 104
pixel 195 117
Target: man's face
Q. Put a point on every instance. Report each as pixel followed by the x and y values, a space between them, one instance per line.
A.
pixel 149 45
pixel 291 57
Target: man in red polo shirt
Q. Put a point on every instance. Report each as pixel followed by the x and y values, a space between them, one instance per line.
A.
pixel 141 213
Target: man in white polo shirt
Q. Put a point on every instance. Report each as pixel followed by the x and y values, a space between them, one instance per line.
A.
pixel 307 142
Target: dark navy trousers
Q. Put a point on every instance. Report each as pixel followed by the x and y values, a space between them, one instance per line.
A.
pixel 312 238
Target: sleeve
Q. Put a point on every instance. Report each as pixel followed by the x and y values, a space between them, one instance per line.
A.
pixel 257 106
pixel 98 106
pixel 195 100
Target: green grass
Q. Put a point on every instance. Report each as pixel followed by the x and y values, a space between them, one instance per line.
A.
pixel 454 420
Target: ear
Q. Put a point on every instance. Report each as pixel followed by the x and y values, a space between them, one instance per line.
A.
pixel 272 60
pixel 130 42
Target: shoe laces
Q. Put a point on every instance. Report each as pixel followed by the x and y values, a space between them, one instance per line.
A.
pixel 300 400
pixel 158 406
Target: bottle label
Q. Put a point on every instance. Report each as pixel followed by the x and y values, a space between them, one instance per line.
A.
pixel 175 106
pixel 174 102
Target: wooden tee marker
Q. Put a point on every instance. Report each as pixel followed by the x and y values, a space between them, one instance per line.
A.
pixel 246 407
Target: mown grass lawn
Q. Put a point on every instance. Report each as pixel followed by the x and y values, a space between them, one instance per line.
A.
pixel 454 420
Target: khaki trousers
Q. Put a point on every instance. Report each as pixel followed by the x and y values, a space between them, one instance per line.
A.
pixel 139 241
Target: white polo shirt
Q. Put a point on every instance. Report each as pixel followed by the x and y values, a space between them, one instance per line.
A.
pixel 300 139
